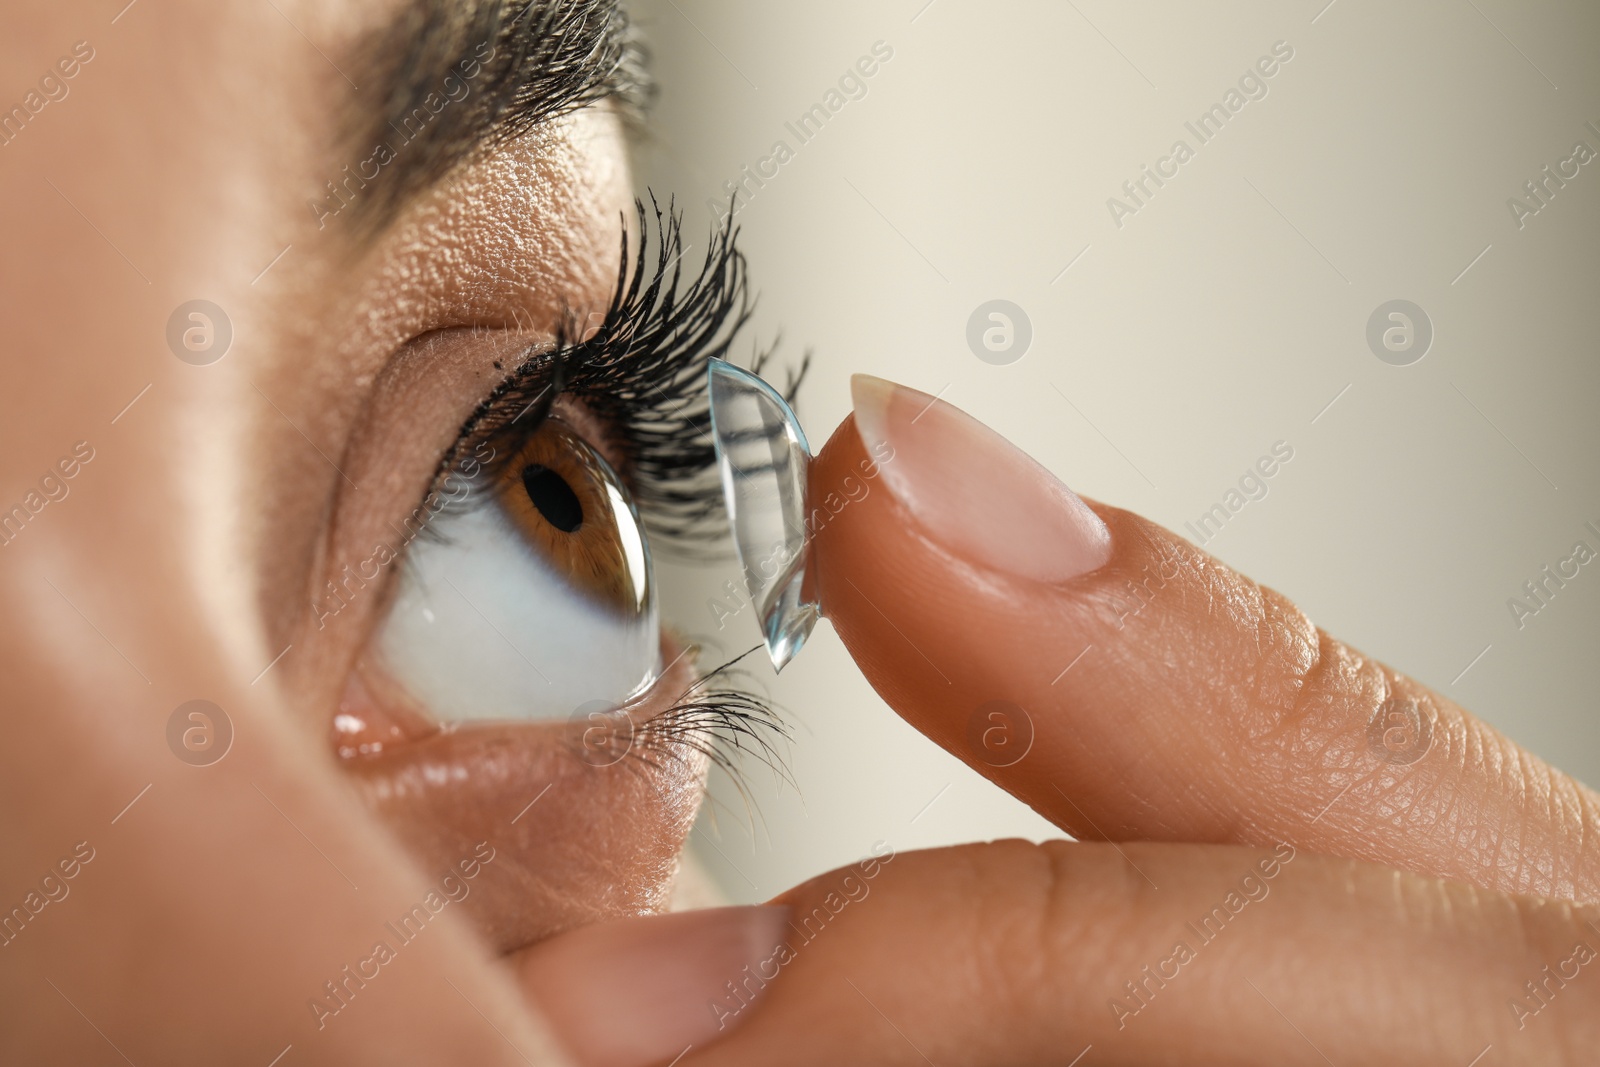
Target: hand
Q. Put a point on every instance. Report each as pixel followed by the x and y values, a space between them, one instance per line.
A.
pixel 1290 853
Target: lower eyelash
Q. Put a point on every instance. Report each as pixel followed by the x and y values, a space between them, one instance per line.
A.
pixel 719 723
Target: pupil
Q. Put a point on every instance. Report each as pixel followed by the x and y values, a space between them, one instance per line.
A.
pixel 553 497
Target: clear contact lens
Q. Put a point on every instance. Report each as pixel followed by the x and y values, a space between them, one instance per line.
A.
pixel 763 457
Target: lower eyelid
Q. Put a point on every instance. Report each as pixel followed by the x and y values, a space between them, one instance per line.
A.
pixel 377 716
pixel 684 715
pixel 577 840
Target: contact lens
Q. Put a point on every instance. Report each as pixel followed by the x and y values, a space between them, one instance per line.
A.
pixel 762 457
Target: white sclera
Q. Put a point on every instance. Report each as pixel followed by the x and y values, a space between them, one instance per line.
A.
pixel 763 457
pixel 483 627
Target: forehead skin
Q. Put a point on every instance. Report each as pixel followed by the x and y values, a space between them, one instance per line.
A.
pixel 178 167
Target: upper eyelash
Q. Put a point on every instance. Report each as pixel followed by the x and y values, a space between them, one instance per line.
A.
pixel 643 374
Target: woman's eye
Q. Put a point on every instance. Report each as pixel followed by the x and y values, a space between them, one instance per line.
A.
pixel 530 598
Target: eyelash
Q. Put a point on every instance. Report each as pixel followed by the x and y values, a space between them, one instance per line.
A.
pixel 718 723
pixel 643 374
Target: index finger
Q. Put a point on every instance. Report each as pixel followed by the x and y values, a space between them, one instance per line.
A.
pixel 1128 686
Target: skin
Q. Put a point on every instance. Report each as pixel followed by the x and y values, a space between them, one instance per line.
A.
pixel 219 899
pixel 185 557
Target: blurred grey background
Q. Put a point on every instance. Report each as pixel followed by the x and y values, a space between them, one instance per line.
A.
pixel 1175 340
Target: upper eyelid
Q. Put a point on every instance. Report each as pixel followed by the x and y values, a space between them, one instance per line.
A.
pixel 642 373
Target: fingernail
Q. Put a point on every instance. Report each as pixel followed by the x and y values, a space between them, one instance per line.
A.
pixel 973 491
pixel 643 991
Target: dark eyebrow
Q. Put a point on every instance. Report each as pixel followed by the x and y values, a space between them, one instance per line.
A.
pixel 444 78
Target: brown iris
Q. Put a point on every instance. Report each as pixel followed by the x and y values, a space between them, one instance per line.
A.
pixel 576 513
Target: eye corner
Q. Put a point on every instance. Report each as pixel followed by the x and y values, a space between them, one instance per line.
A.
pixel 376 716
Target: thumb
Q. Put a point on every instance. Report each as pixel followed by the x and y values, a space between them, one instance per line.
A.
pixel 1128 686
pixel 637 992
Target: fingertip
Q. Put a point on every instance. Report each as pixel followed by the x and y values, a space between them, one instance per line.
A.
pixel 969 489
